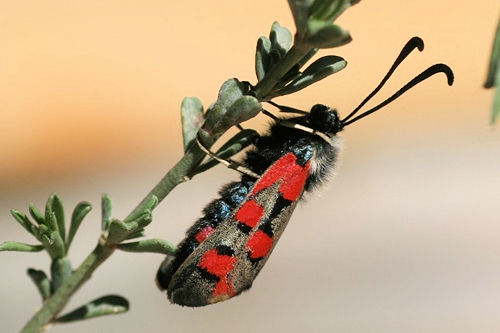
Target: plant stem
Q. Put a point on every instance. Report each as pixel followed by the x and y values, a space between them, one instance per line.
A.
pixel 293 56
pixel 54 304
pixel 174 177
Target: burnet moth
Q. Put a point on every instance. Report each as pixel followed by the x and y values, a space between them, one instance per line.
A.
pixel 226 248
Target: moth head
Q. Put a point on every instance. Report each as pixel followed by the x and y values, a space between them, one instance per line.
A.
pixel 324 119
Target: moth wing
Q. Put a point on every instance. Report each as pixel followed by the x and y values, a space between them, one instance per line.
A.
pixel 227 262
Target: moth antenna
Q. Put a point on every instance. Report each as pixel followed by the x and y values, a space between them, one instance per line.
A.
pixel 437 68
pixel 287 109
pixel 415 42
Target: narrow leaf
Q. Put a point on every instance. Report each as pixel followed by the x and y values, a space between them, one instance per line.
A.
pixel 262 57
pixel 119 230
pixel 230 91
pixel 496 103
pixel 300 12
pixel 58 209
pixel 148 207
pixel 244 108
pixel 20 247
pixel 233 146
pixel 318 70
pixel 154 245
pixel 324 9
pixel 106 305
pixel 105 211
pixel 151 203
pixel 41 281
pixel 50 219
pixel 281 39
pixel 328 36
pixel 25 222
pixel 191 118
pixel 329 10
pixel 36 214
pixel 57 246
pixel 81 210
pixel 307 57
pixel 294 72
pixel 137 234
pixel 493 76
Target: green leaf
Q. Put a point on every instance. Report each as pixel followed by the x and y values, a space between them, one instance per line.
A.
pixel 300 12
pixel 25 222
pixel 36 214
pixel 57 248
pixel 106 209
pixel 493 76
pixel 328 35
pixel 81 210
pixel 318 70
pixel 20 247
pixel 230 91
pixel 324 9
pixel 244 108
pixel 41 281
pixel 106 305
pixel 137 234
pixel 307 57
pixel 192 118
pixel 281 39
pixel 496 103
pixel 238 142
pixel 119 230
pixel 148 207
pixel 154 245
pixel 151 203
pixel 50 217
pixel 262 57
pixel 60 270
pixel 329 10
pixel 58 209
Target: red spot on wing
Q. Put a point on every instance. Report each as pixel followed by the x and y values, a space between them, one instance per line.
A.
pixel 259 244
pixel 250 213
pixel 219 265
pixel 204 233
pixel 293 175
pixel 292 186
pixel 223 287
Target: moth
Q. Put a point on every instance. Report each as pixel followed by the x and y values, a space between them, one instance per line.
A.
pixel 225 250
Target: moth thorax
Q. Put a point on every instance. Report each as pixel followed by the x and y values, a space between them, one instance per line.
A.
pixel 324 161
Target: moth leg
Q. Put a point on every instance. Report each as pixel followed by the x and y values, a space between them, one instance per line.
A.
pixel 228 163
pixel 287 109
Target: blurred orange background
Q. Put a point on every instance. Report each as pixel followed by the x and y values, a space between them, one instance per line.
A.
pixel 404 240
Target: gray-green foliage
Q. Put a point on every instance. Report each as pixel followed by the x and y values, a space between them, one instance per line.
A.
pixel 493 76
pixel 279 61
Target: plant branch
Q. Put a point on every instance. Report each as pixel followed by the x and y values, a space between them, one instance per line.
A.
pixel 182 171
pixel 54 304
pixel 298 51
